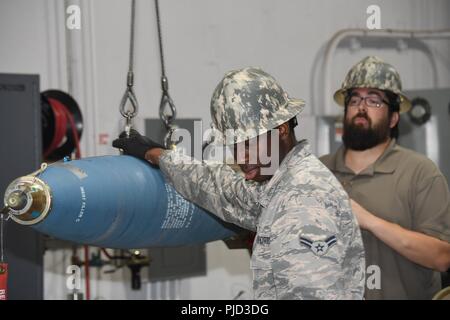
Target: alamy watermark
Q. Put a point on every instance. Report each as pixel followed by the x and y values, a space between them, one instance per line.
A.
pixel 73 281
pixel 373 21
pixel 373 277
pixel 73 20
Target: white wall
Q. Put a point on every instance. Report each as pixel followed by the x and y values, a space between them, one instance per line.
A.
pixel 202 39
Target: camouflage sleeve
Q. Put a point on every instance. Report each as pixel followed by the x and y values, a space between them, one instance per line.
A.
pixel 215 187
pixel 312 255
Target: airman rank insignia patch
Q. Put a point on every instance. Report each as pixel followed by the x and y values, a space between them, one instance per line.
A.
pixel 319 248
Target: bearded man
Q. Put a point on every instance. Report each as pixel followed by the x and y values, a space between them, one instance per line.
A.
pixel 400 197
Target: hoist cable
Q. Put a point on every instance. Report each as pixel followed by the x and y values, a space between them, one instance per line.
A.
pixel 161 54
pixel 166 117
pixel 129 92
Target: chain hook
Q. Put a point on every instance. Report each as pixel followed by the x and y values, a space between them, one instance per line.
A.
pixel 130 113
pixel 167 118
pixel 168 141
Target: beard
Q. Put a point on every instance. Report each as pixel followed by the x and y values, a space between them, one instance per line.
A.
pixel 357 137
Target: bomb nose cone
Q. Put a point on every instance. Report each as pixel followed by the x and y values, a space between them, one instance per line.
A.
pixel 28 200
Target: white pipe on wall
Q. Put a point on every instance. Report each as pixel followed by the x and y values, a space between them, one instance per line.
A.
pixel 81 73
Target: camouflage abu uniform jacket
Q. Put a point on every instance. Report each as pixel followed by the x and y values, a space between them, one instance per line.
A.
pixel 308 243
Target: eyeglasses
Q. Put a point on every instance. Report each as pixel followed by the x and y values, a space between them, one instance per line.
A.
pixel 370 101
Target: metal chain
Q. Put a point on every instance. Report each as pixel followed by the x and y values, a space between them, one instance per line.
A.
pixel 129 92
pixel 166 101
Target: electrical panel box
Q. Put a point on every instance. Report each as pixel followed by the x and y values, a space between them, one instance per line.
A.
pixel 20 154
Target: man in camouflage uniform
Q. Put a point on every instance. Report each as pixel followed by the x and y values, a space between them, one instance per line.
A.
pixel 308 244
pixel 400 197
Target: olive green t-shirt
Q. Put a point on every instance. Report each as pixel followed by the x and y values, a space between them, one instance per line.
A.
pixel 406 188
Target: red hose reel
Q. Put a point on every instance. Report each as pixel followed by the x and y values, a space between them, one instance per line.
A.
pixel 62 125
